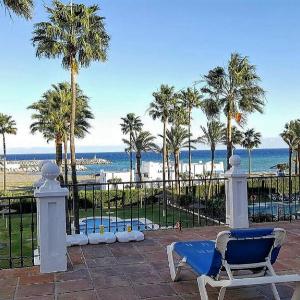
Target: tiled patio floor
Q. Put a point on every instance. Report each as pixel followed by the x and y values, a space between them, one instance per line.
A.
pixel 136 271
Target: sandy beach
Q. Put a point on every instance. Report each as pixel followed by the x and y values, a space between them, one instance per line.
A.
pixel 17 180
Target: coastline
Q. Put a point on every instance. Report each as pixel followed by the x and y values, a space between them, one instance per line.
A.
pixel 20 180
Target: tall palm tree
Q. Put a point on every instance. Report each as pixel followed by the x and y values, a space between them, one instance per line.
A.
pixel 191 99
pixel 52 114
pixel 161 108
pixel 292 140
pixel 294 127
pixel 131 125
pixel 212 135
pixel 178 138
pixel 236 91
pixel 142 141
pixel 21 8
pixel 7 126
pixel 251 139
pixel 288 135
pixel 75 33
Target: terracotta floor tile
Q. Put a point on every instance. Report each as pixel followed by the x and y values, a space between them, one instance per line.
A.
pixel 48 297
pixel 8 282
pixel 154 290
pixel 73 286
pixel 72 275
pixel 35 290
pixel 37 279
pixel 185 287
pixel 105 281
pixel 118 293
pixel 7 292
pixel 101 262
pixel 82 295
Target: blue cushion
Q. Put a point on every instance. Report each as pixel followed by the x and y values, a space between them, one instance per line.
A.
pixel 202 256
pixel 250 233
pixel 242 251
pixel 248 251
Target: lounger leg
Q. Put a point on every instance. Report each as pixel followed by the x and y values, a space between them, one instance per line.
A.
pixel 275 292
pixel 296 294
pixel 174 272
pixel 222 293
pixel 202 290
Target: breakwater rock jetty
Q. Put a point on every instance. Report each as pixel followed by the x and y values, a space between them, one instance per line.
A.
pixel 32 166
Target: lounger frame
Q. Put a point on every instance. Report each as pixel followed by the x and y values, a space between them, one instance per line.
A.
pixel 266 276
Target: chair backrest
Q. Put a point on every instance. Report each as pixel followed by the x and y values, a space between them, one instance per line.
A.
pixel 250 246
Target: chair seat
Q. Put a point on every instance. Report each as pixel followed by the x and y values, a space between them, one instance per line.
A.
pixel 202 256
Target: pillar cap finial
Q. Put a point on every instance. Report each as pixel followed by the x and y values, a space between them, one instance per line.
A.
pixel 235 171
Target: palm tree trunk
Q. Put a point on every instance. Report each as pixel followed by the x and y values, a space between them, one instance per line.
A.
pixel 130 149
pixel 296 162
pixel 229 140
pixel 249 161
pixel 58 156
pixel 168 165
pixel 138 165
pixel 72 148
pixel 290 172
pixel 176 167
pixel 164 168
pixel 190 153
pixel 298 153
pixel 211 171
pixel 4 163
pixel 66 158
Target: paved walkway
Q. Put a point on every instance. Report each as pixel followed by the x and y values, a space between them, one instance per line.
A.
pixel 136 271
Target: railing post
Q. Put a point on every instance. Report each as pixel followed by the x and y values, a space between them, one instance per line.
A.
pixel 51 221
pixel 236 195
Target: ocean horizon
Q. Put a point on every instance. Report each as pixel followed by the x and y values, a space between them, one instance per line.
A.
pixel 262 159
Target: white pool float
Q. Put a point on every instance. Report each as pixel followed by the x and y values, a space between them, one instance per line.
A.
pixel 98 238
pixel 77 240
pixel 126 236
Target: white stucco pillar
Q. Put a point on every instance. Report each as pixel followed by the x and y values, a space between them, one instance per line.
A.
pixel 51 221
pixel 236 195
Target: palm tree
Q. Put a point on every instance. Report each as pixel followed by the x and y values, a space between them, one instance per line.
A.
pixel 294 127
pixel 76 34
pixel 21 8
pixel 292 140
pixel 236 137
pixel 288 135
pixel 142 141
pixel 251 139
pixel 190 99
pixel 236 90
pixel 161 108
pixel 212 135
pixel 131 125
pixel 178 137
pixel 7 126
pixel 52 117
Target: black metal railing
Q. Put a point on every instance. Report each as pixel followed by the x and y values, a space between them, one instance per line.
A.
pixel 274 198
pixel 145 205
pixel 17 231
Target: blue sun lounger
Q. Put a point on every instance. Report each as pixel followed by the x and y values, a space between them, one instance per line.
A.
pixel 218 263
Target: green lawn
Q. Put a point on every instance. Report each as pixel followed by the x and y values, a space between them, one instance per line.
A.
pixel 21 228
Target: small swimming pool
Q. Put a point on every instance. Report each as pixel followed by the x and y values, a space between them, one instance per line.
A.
pixel 91 225
pixel 274 208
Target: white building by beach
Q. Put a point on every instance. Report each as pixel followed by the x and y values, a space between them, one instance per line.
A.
pixel 152 171
pixel 106 177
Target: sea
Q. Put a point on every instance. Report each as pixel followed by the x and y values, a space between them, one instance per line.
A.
pixel 262 159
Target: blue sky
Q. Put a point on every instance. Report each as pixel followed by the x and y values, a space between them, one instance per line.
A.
pixel 154 42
